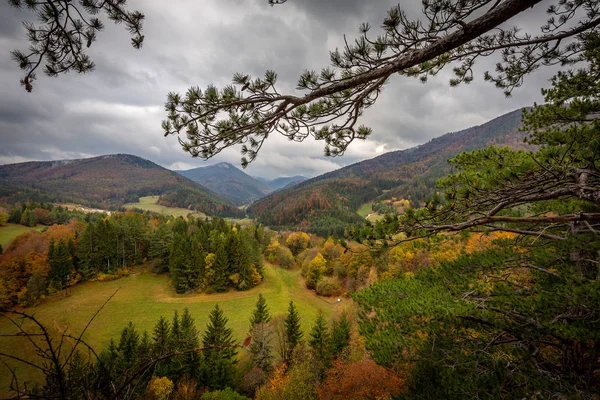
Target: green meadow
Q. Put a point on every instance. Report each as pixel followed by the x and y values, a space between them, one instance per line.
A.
pixel 148 203
pixel 143 297
pixel 10 231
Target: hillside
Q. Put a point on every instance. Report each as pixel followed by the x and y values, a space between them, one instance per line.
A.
pixel 228 181
pixel 328 203
pixel 107 182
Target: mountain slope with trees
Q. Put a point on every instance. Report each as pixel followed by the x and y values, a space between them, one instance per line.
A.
pixel 229 181
pixel 328 203
pixel 108 182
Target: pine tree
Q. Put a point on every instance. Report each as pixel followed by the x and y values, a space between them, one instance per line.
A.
pixel 61 264
pixel 260 313
pixel 319 339
pixel 220 351
pixel 293 332
pixel 340 335
pixel 190 362
pixel 128 345
pixel 161 345
pixel 161 337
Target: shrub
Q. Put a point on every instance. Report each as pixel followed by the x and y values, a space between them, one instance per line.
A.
pixel 329 287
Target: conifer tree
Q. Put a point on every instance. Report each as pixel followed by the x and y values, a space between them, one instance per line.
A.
pixel 60 264
pixel 319 339
pixel 340 335
pixel 128 344
pixel 190 362
pixel 220 351
pixel 260 313
pixel 161 340
pixel 293 331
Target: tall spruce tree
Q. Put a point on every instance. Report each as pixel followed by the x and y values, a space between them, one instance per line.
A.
pixel 220 352
pixel 293 331
pixel 260 313
pixel 319 340
pixel 340 335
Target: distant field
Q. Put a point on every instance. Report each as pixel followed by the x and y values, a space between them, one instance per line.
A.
pixel 10 231
pixel 144 297
pixel 148 203
pixel 365 209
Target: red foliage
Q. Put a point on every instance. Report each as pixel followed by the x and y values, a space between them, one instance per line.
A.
pixel 359 380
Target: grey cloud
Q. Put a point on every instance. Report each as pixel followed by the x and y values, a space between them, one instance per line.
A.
pixel 118 107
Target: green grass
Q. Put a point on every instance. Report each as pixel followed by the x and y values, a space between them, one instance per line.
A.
pixel 365 209
pixel 144 297
pixel 148 203
pixel 10 231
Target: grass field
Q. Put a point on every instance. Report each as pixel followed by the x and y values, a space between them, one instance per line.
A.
pixel 144 297
pixel 10 231
pixel 365 210
pixel 148 203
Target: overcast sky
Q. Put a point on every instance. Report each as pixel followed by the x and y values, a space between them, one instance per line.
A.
pixel 118 108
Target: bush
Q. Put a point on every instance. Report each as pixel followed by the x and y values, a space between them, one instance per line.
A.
pixel 329 287
pixel 226 394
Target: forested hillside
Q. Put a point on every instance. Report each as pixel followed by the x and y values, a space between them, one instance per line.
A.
pixel 228 181
pixel 327 204
pixel 107 182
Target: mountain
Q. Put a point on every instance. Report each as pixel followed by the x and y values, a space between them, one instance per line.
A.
pixel 107 182
pixel 327 204
pixel 285 181
pixel 229 181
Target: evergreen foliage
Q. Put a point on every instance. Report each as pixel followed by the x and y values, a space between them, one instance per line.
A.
pixel 219 353
pixel 293 331
pixel 260 314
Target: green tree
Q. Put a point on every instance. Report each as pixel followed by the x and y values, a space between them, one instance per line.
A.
pixel 3 218
pixel 319 340
pixel 220 352
pixel 293 331
pixel 340 335
pixel 28 218
pixel 61 264
pixel 260 313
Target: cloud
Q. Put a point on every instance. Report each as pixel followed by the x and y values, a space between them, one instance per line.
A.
pixel 118 108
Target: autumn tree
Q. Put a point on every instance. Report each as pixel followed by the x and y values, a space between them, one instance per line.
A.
pixel 3 218
pixel 362 379
pixel 297 242
pixel 316 268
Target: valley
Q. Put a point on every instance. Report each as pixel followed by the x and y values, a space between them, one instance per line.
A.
pixel 143 297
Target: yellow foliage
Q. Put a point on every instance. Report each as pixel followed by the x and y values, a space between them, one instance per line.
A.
pixel 160 388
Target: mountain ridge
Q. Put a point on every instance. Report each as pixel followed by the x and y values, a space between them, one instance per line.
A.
pixel 327 204
pixel 108 181
pixel 229 181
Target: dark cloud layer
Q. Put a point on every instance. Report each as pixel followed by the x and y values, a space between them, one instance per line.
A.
pixel 118 108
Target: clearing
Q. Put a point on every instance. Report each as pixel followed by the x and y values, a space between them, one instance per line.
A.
pixel 365 209
pixel 148 203
pixel 10 231
pixel 144 297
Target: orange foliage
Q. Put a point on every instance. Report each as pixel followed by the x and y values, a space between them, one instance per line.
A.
pixel 479 241
pixel 360 380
